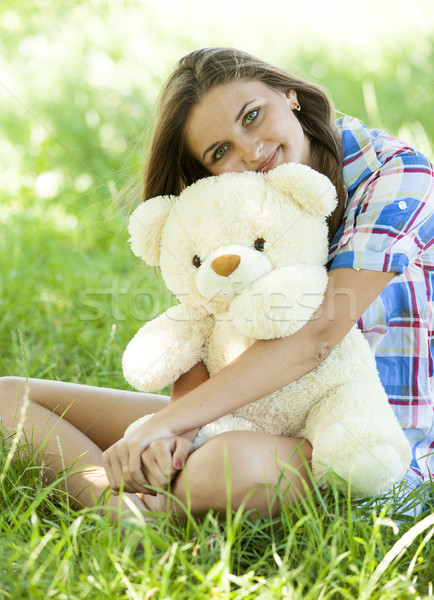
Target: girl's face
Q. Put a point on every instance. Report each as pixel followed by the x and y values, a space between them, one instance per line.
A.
pixel 246 126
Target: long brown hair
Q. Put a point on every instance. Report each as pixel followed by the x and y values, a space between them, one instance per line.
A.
pixel 170 166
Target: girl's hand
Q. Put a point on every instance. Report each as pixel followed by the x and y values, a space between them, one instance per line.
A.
pixel 122 461
pixel 163 460
pixel 123 466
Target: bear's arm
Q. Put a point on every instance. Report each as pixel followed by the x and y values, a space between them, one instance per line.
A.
pixel 165 348
pixel 281 302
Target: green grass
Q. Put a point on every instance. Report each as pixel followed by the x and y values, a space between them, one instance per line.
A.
pixel 72 295
pixel 326 547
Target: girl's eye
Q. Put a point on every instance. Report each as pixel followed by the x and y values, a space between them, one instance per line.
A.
pixel 196 261
pixel 219 153
pixel 259 245
pixel 251 116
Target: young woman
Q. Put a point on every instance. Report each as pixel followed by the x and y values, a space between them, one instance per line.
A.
pixel 224 110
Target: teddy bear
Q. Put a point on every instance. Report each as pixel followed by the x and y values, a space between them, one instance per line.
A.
pixel 245 255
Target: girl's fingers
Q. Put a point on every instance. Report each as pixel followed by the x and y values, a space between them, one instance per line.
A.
pixel 154 475
pixel 163 459
pixel 156 463
pixel 133 473
pixel 127 465
pixel 123 466
pixel 183 449
pixel 162 451
pixel 113 469
pixel 116 477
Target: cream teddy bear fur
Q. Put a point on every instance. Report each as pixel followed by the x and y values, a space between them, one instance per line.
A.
pixel 245 255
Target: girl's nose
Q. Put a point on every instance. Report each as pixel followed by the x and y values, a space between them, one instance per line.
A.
pixel 251 151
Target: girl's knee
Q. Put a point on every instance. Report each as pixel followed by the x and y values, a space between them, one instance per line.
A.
pixel 9 381
pixel 226 454
pixel 15 401
pixel 254 453
pixel 251 465
pixel 11 394
pixel 12 387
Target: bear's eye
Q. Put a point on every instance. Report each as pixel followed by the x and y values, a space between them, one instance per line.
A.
pixel 259 245
pixel 196 261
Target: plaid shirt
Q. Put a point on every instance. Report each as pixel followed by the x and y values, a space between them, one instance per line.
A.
pixel 388 225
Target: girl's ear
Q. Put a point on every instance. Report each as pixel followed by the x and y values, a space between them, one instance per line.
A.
pixel 311 190
pixel 146 225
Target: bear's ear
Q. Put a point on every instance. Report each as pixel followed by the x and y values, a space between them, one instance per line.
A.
pixel 311 190
pixel 145 227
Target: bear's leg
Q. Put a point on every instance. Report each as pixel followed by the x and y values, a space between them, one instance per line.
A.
pixel 354 433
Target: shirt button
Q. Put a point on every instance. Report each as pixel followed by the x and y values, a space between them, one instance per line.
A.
pixel 402 204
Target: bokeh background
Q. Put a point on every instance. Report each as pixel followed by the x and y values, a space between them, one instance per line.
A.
pixel 78 82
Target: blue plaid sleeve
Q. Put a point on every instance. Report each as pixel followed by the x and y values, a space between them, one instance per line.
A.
pixel 389 220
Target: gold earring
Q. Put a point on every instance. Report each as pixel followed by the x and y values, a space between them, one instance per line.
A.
pixel 297 106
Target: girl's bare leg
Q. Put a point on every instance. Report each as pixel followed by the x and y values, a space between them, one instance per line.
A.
pixel 257 464
pixel 102 414
pixel 94 418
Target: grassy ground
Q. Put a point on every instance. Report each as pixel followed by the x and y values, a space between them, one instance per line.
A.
pixel 72 295
pixel 325 548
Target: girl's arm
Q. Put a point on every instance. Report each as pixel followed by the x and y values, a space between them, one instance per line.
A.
pixel 186 383
pixel 265 367
pixel 270 365
pixel 163 459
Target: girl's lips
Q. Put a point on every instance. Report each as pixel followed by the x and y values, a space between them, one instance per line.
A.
pixel 270 162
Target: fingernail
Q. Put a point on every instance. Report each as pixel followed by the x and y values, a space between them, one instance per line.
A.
pixel 178 463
